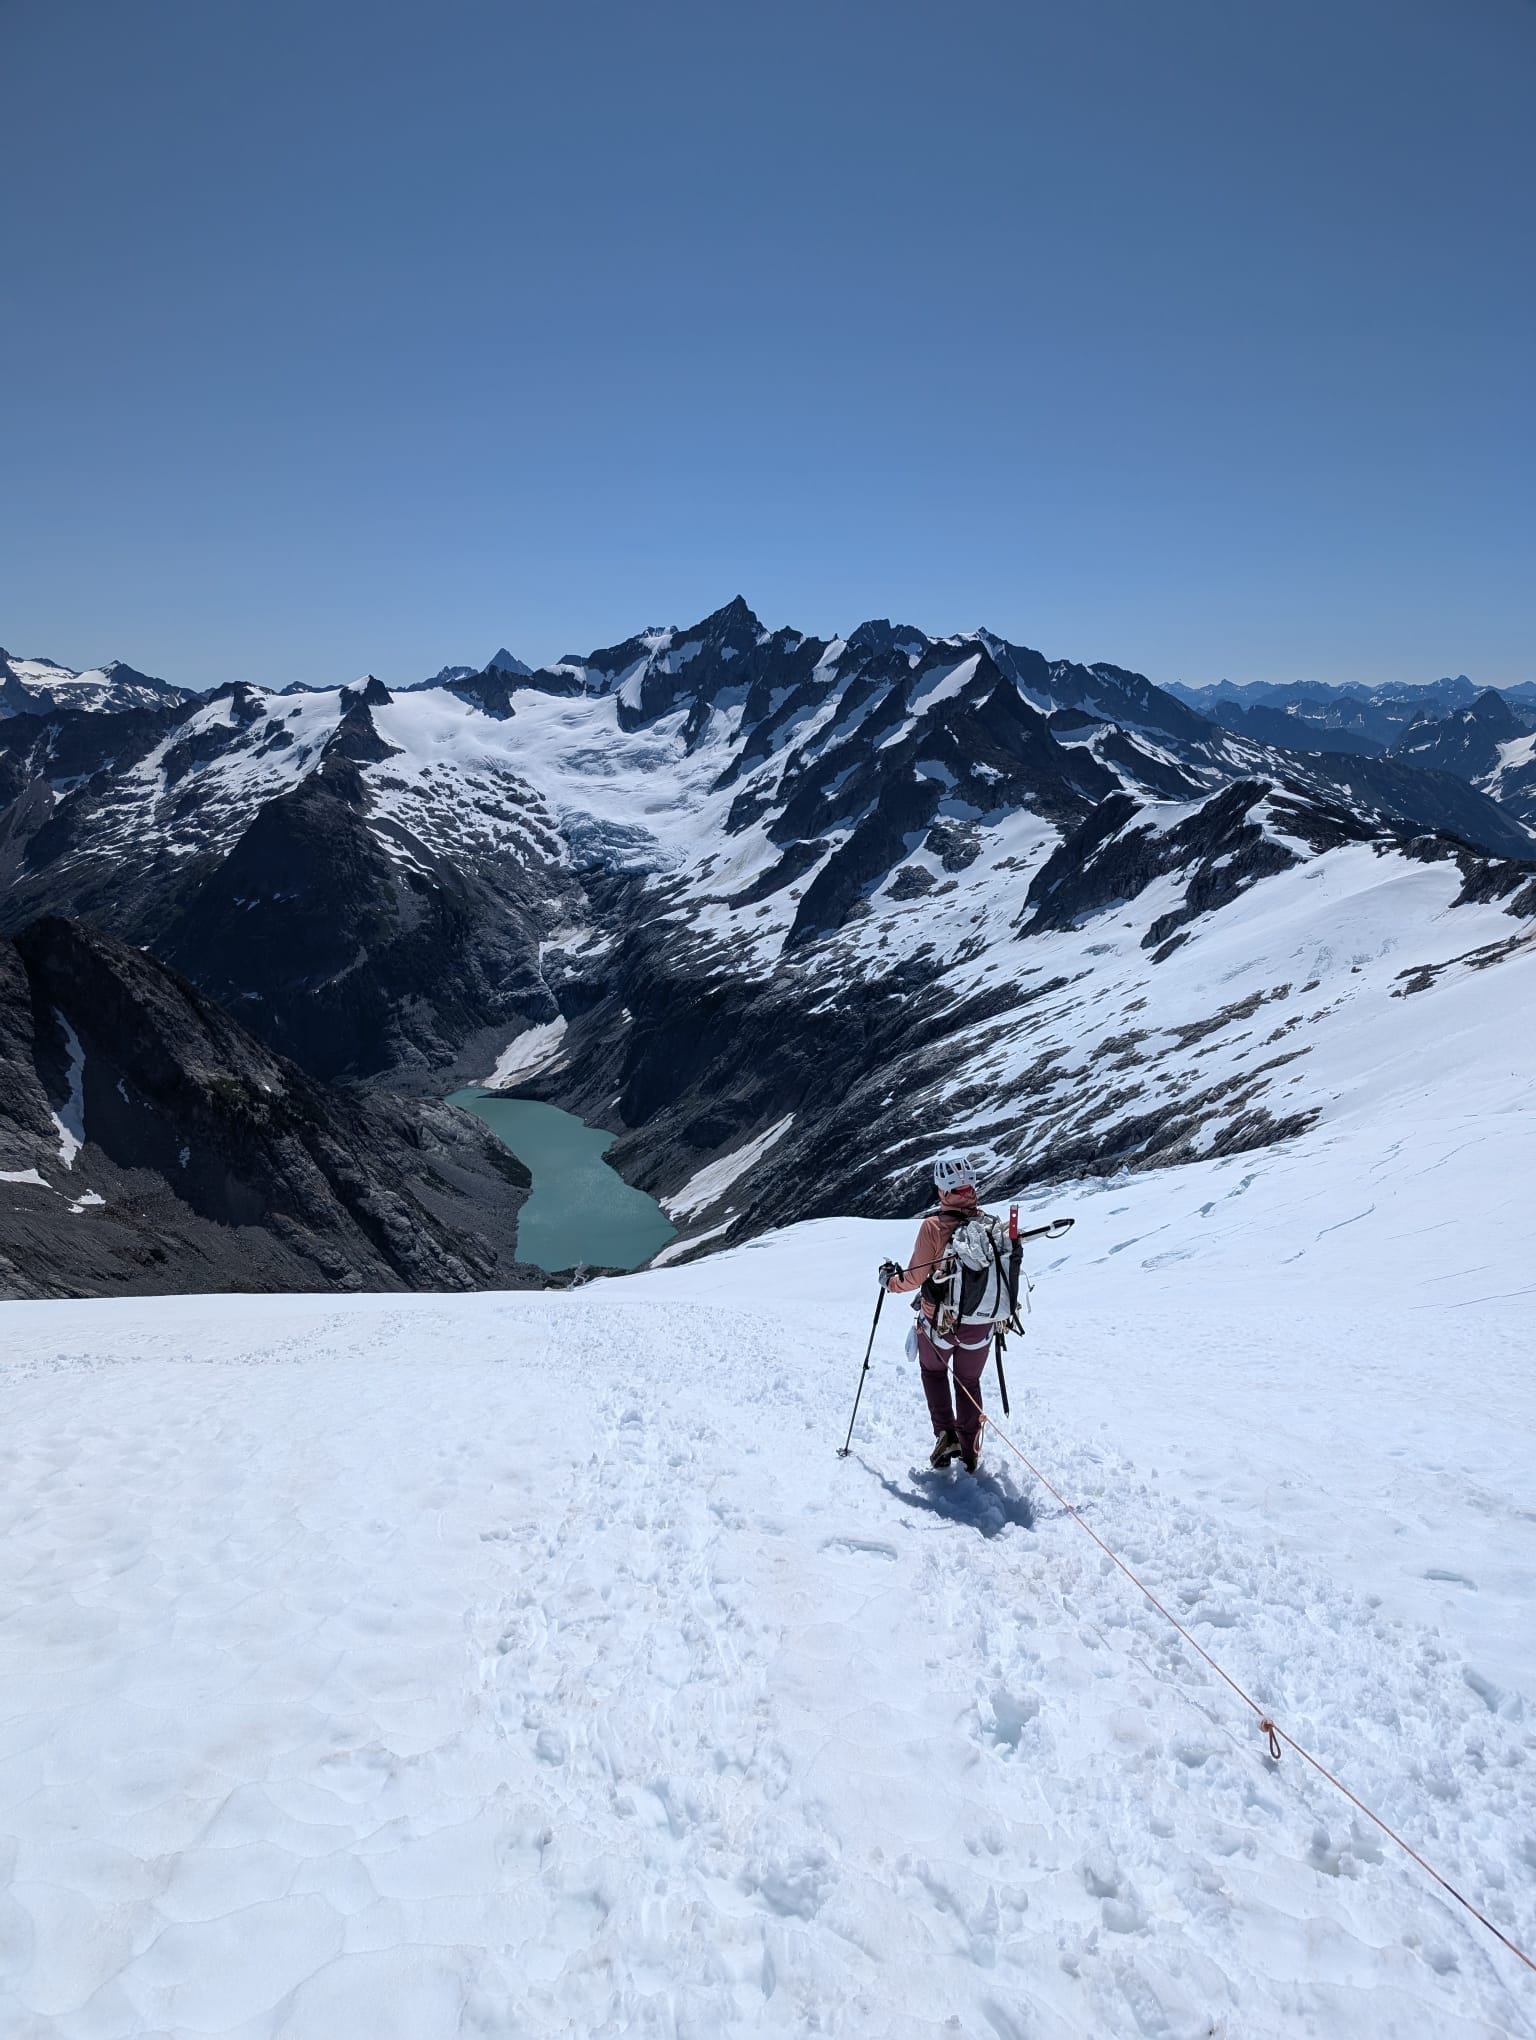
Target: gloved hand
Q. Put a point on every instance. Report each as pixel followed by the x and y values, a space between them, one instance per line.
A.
pixel 889 1269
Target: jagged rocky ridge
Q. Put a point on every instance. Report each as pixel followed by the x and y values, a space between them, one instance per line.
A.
pixel 772 906
pixel 148 1144
pixel 34 686
pixel 1489 743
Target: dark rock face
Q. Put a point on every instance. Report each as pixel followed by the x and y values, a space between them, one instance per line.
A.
pixel 1515 788
pixel 864 1078
pixel 1116 855
pixel 336 934
pixel 72 745
pixel 502 661
pixel 1111 694
pixel 40 753
pixel 206 1162
pixel 1137 766
pixel 704 1061
pixel 315 932
pixel 1465 742
pixel 1484 743
pixel 357 738
pixel 29 1133
pixel 1416 800
pixel 1293 731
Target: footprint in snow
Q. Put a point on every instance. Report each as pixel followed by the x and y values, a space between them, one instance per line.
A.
pixel 870 1546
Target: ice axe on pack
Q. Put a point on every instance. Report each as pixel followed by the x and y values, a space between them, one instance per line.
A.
pixel 1052 1231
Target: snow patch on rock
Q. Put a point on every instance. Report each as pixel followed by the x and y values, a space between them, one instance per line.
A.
pixel 69 1120
pixel 536 1048
pixel 709 1184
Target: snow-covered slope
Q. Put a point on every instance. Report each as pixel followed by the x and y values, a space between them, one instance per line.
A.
pixel 1512 778
pixel 492 1665
pixel 1185 987
pixel 1487 743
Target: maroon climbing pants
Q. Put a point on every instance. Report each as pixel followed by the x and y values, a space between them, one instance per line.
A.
pixel 967 1353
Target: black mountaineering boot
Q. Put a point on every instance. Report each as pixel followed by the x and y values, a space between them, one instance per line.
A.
pixel 945 1446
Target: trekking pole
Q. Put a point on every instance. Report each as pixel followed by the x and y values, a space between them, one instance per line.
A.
pixel 1002 1379
pixel 880 1299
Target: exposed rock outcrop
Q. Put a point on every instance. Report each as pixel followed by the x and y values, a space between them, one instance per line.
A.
pixel 150 1144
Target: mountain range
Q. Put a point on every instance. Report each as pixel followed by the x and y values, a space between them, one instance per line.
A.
pixel 777 908
pixel 34 686
pixel 1352 717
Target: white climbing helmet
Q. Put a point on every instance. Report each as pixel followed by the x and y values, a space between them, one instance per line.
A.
pixel 952 1171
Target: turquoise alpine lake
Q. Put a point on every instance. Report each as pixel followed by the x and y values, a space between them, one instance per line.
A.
pixel 580 1212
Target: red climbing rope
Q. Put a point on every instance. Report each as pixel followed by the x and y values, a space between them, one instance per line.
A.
pixel 1268 1727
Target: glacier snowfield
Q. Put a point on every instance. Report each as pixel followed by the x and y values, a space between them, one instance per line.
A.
pixel 530 1665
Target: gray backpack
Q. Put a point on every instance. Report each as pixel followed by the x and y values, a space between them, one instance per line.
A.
pixel 984 1267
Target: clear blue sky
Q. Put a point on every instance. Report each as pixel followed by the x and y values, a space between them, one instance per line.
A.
pixel 346 334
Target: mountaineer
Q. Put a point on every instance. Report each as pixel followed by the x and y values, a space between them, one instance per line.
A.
pixel 965 1270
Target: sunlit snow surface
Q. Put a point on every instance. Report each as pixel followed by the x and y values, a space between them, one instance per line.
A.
pixel 530 1664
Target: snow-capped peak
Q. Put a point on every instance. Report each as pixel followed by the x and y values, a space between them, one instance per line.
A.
pixel 36 686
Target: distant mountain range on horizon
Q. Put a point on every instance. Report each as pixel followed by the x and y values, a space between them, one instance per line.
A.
pixel 1449 725
pixel 32 681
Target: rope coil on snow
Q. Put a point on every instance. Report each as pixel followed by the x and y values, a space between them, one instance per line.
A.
pixel 1268 1727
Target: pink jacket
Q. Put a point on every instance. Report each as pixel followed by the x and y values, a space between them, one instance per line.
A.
pixel 933 1237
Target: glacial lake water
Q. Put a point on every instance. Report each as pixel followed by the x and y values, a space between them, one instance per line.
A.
pixel 580 1211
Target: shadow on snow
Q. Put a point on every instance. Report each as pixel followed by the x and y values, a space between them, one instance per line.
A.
pixel 982 1501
